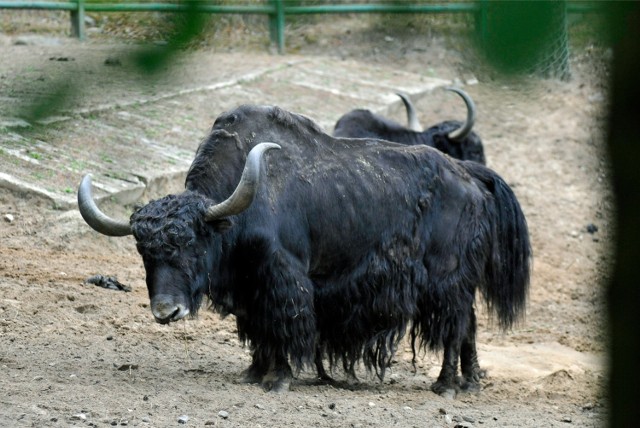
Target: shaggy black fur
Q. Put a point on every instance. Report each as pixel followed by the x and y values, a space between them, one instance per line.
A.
pixel 348 245
pixel 365 124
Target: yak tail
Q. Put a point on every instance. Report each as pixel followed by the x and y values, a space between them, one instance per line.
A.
pixel 506 283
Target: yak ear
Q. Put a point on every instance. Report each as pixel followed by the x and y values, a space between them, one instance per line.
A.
pixel 221 225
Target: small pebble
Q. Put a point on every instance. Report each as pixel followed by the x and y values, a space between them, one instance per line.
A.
pixel 112 61
pixel 8 218
pixel 183 419
pixel 127 367
pixel 222 414
pixel 79 417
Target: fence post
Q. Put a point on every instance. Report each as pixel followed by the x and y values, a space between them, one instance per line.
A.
pixel 77 21
pixel 481 23
pixel 276 24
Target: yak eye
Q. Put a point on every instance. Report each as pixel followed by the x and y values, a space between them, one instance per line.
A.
pixel 231 120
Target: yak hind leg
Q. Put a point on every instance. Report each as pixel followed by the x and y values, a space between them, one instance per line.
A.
pixel 322 374
pixel 470 368
pixel 352 378
pixel 349 367
pixel 446 385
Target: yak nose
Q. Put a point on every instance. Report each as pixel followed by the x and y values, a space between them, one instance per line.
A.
pixel 166 309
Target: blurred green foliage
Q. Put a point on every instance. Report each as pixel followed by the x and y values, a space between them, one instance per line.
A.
pixel 183 27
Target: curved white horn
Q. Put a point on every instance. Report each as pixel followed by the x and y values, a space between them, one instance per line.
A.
pixel 462 132
pixel 243 195
pixel 95 218
pixel 412 118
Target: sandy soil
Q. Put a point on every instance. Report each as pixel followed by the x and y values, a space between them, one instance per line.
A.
pixel 73 354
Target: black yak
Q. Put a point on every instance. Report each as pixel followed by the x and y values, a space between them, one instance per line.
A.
pixel 341 248
pixel 451 137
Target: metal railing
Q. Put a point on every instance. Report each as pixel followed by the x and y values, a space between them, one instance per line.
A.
pixel 276 10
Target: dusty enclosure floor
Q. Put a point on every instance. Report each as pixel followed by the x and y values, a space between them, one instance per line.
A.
pixel 78 355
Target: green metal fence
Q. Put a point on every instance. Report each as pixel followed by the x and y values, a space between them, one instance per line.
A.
pixel 276 10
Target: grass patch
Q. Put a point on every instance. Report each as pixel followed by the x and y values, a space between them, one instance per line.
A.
pixel 105 158
pixel 77 165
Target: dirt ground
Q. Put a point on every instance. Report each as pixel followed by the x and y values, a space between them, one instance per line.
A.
pixel 73 354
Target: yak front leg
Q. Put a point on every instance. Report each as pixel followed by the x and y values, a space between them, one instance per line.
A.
pixel 287 330
pixel 471 371
pixel 279 375
pixel 257 370
pixel 272 372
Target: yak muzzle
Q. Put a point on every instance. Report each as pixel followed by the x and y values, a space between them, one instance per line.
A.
pixel 166 309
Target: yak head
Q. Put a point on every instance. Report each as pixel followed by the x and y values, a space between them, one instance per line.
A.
pixel 178 249
pixel 178 237
pixel 466 147
pixel 452 137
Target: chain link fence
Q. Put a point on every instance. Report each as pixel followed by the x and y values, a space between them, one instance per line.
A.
pixel 529 37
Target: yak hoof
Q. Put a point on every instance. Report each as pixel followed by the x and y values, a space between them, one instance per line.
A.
pixel 352 379
pixel 250 376
pixel 481 373
pixel 468 385
pixel 444 390
pixel 277 387
pixel 471 382
pixel 325 379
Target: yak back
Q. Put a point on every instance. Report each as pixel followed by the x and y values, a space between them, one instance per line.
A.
pixel 329 200
pixel 362 123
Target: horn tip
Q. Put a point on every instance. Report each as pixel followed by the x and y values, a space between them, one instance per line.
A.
pixel 271 145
